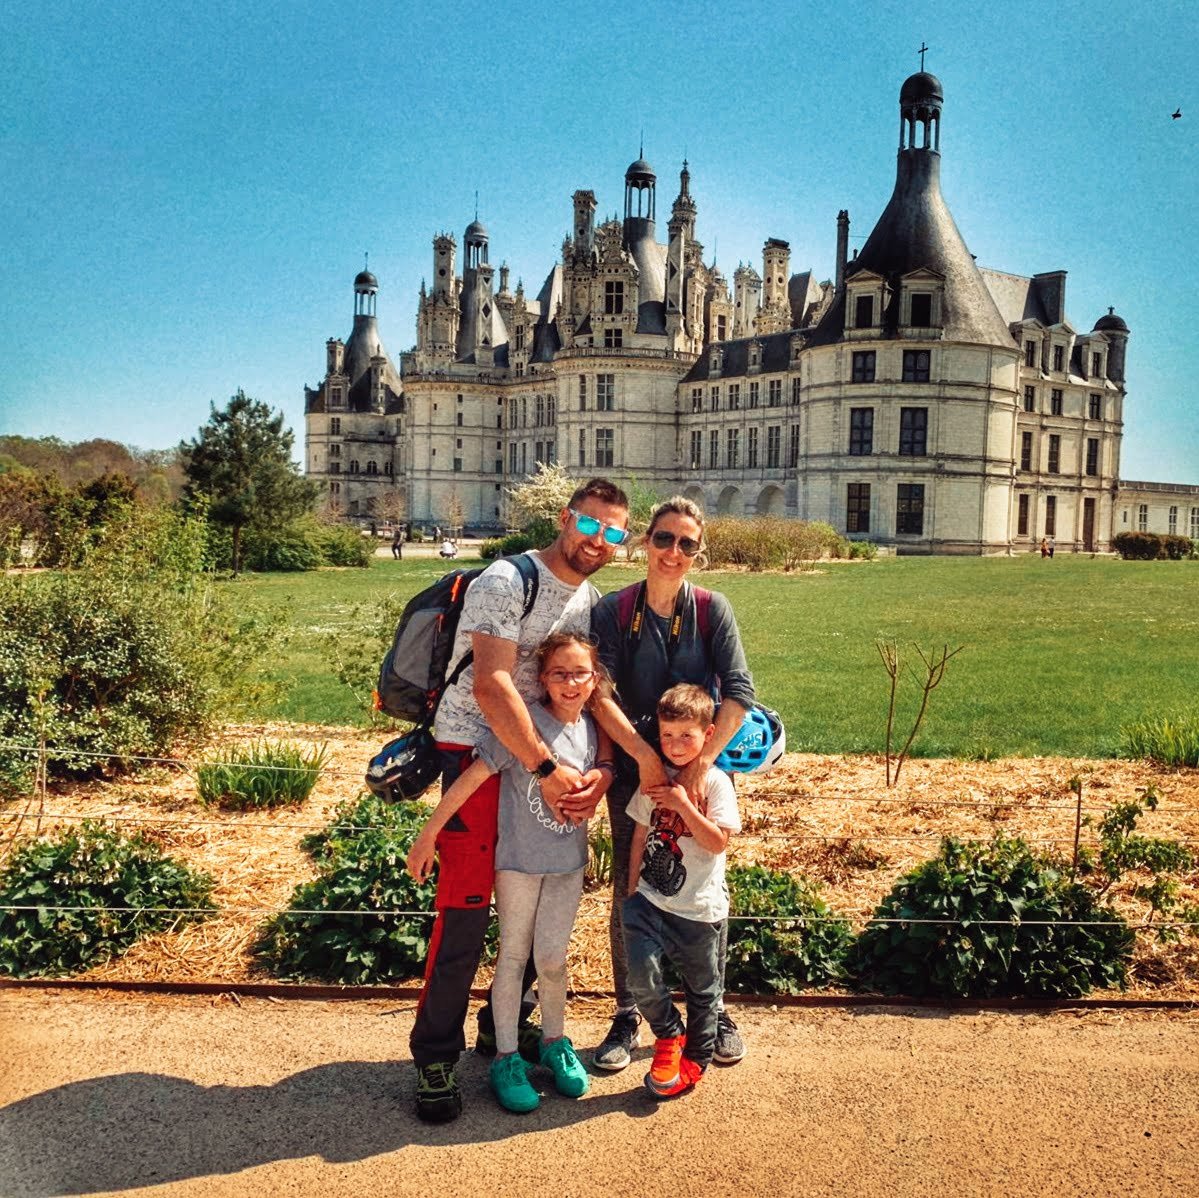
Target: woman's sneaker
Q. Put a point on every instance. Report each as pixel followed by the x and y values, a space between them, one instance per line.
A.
pixel 509 1080
pixel 437 1097
pixel 685 1079
pixel 528 1041
pixel 570 1078
pixel 616 1050
pixel 730 1048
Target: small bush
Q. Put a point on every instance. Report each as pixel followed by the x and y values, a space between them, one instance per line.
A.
pixel 361 857
pixel 263 775
pixel 1166 740
pixel 770 542
pixel 92 866
pixel 304 544
pixel 771 957
pixel 514 542
pixel 962 954
pixel 862 551
pixel 342 546
pixel 122 658
pixel 1153 546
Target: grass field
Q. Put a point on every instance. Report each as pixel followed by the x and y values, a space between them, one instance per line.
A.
pixel 1058 654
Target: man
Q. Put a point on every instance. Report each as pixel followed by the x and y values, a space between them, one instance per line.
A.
pixel 492 692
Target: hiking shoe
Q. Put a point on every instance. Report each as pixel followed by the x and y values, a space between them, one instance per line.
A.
pixel 570 1078
pixel 615 1051
pixel 685 1080
pixel 730 1048
pixel 509 1078
pixel 437 1096
pixel 664 1072
pixel 528 1042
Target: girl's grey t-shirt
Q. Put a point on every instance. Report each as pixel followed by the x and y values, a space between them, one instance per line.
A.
pixel 531 841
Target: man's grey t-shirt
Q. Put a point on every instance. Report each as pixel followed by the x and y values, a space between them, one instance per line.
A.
pixel 530 840
pixel 493 605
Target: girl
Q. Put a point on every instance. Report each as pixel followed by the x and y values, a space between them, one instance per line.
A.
pixel 539 863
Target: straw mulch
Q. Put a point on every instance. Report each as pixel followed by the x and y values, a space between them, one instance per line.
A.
pixel 830 818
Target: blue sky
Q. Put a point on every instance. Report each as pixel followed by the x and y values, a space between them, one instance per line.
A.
pixel 190 193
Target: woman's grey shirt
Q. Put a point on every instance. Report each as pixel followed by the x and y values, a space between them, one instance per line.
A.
pixel 644 670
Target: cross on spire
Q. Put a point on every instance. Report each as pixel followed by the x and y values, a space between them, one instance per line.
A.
pixel 923 51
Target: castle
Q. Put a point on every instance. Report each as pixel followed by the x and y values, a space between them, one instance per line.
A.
pixel 917 399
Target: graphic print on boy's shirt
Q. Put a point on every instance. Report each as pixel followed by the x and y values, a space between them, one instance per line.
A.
pixel 662 862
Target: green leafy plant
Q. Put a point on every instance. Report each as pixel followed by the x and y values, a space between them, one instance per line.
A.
pixel 771 956
pixel 599 859
pixel 1154 863
pixel 266 774
pixel 124 657
pixel 1168 740
pixel 361 857
pixel 985 919
pixel 89 873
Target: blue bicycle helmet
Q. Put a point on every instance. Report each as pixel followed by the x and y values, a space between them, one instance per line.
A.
pixel 757 745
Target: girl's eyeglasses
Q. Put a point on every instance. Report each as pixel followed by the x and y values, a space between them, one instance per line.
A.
pixel 589 526
pixel 578 677
pixel 667 540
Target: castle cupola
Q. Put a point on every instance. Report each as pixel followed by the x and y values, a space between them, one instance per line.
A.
pixel 920 101
pixel 475 244
pixel 640 200
pixel 366 288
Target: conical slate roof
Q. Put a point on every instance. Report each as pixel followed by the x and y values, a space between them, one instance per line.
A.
pixel 916 231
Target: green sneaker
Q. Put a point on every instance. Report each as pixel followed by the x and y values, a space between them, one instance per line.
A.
pixel 570 1078
pixel 509 1078
pixel 437 1096
pixel 528 1042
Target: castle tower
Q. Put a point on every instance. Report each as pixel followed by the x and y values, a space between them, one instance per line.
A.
pixel 775 315
pixel 477 333
pixel 747 300
pixel 1115 329
pixel 682 234
pixel 439 315
pixel 584 234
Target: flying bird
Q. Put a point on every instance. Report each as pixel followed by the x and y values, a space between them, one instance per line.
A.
pixel 1176 114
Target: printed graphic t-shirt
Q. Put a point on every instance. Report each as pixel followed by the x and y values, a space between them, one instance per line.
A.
pixel 493 606
pixel 531 841
pixel 676 874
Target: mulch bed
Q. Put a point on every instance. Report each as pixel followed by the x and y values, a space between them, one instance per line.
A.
pixel 830 818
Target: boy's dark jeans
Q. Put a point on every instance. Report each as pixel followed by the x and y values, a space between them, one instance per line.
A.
pixel 652 936
pixel 619 794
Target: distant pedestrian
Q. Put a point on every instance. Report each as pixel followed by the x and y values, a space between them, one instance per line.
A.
pixel 1052 546
pixel 397 544
pixel 1044 547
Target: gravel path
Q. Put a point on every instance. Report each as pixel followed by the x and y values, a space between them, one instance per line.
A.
pixel 196 1096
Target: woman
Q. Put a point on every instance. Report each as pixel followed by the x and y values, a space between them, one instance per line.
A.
pixel 651 636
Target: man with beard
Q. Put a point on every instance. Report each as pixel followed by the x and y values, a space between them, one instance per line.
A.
pixel 492 692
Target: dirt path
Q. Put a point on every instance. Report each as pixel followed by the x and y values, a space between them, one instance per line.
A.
pixel 206 1097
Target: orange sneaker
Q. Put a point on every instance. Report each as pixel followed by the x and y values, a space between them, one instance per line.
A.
pixel 665 1070
pixel 685 1080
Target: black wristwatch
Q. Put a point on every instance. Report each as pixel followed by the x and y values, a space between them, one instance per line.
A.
pixel 546 768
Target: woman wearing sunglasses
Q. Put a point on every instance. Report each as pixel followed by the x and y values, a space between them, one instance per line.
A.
pixel 651 636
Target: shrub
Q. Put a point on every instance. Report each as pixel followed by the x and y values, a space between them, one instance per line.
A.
pixel 124 657
pixel 344 546
pixel 1153 546
pixel 770 542
pixel 961 953
pixel 1164 739
pixel 770 957
pixel 92 866
pixel 361 859
pixel 514 542
pixel 263 775
pixel 304 544
pixel 862 550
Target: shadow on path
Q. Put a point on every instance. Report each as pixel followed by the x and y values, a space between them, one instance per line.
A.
pixel 137 1129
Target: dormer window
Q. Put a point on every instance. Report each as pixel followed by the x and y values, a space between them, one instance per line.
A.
pixel 613 298
pixel 1059 356
pixel 1096 365
pixel 922 309
pixel 863 312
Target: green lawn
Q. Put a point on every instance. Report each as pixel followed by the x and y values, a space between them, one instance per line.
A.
pixel 1059 654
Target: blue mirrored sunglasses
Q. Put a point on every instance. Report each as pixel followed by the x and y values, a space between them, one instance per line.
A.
pixel 589 526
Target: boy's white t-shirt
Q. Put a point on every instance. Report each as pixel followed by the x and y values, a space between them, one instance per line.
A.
pixel 676 874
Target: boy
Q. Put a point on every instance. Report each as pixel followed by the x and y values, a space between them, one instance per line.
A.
pixel 678 898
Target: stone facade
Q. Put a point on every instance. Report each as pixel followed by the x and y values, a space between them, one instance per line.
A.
pixel 916 400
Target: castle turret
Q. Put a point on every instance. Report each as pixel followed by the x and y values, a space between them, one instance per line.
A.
pixel 1115 329
pixel 479 332
pixel 682 233
pixel 747 300
pixel 775 315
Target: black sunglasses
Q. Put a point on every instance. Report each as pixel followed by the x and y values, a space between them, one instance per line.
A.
pixel 667 540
